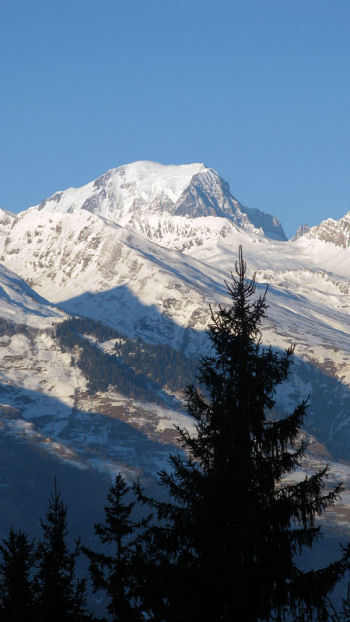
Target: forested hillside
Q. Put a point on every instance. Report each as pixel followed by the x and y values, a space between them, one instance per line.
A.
pixel 134 368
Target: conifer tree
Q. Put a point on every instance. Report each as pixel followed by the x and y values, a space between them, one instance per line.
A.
pixel 224 547
pixel 60 595
pixel 116 573
pixel 17 596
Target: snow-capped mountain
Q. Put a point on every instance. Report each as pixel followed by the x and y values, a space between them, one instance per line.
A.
pixel 138 194
pixel 128 275
pixel 145 249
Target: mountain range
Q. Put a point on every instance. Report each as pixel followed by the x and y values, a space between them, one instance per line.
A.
pixel 142 251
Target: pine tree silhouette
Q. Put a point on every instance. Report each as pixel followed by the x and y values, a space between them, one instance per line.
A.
pixel 17 594
pixel 224 547
pixel 116 574
pixel 60 595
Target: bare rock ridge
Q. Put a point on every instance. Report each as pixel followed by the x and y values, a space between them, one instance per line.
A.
pixel 301 231
pixel 335 232
pixel 6 221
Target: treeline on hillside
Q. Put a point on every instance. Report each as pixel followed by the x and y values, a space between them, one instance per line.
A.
pixel 88 326
pixel 104 370
pixel 137 369
pixel 9 328
pixel 163 364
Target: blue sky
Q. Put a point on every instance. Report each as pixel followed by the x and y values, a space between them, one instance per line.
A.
pixel 257 89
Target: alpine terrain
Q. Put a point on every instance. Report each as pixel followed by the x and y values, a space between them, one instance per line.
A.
pixel 104 303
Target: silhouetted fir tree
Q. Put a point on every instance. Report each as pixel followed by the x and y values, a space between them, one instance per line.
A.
pixel 224 546
pixel 60 595
pixel 116 574
pixel 17 596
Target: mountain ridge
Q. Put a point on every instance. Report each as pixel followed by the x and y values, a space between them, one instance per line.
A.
pixel 335 232
pixel 147 188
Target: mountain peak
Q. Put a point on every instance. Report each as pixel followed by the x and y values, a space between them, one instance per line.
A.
pixel 150 179
pixel 142 189
pixel 302 230
pixel 335 232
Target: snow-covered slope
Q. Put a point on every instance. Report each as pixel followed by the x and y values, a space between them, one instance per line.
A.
pixel 45 402
pixel 93 267
pixel 138 192
pixel 22 305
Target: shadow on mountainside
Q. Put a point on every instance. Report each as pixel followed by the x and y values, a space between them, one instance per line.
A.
pixel 27 475
pixel 122 310
pixel 20 306
pixel 328 413
pixel 84 441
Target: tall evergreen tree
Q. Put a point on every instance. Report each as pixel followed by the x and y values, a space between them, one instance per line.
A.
pixel 17 596
pixel 225 545
pixel 115 573
pixel 60 595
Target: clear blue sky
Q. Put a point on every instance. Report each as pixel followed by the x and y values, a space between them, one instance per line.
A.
pixel 259 90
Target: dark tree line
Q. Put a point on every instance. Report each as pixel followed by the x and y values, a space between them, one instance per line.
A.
pixel 165 366
pixel 9 328
pixel 224 545
pixel 88 326
pixel 104 370
pixel 137 369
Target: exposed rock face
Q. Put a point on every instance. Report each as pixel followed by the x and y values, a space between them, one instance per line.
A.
pixel 6 221
pixel 269 224
pixel 335 232
pixel 300 232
